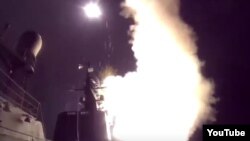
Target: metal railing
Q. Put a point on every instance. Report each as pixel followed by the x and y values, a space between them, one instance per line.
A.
pixel 29 137
pixel 14 93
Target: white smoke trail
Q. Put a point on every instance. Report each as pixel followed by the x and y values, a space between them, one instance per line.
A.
pixel 167 97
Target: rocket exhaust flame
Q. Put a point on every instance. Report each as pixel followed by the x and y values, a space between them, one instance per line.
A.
pixel 167 98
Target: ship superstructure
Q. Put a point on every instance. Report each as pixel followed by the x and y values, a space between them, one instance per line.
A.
pixel 88 123
pixel 20 112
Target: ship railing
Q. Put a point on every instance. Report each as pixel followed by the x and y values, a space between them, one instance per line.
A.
pixel 13 92
pixel 16 135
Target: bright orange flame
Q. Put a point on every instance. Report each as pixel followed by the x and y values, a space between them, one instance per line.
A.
pixel 167 97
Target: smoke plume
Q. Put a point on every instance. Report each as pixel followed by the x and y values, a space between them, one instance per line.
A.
pixel 167 97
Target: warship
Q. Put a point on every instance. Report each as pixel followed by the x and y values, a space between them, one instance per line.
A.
pixel 20 112
pixel 90 121
pixel 21 118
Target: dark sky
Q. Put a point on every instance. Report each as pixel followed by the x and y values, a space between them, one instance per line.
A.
pixel 222 28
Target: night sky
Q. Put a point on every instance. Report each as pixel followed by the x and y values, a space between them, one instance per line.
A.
pixel 221 27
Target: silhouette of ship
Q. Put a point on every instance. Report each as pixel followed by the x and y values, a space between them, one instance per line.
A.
pixel 20 113
pixel 88 123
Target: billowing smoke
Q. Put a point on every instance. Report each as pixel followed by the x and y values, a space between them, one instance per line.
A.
pixel 167 97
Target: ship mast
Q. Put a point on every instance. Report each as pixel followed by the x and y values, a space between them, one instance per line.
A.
pixel 89 90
